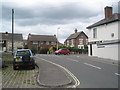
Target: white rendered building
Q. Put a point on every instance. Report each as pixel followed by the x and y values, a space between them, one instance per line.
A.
pixel 103 36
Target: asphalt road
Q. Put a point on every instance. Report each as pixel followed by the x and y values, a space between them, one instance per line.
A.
pixel 91 74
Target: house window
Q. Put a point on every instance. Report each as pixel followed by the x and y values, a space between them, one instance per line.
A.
pixel 50 42
pixel 41 42
pixel 47 43
pixel 95 33
pixel 1 42
pixel 82 47
pixel 35 42
pixel 67 42
pixel 53 43
pixel 112 35
pixel 80 41
pixel 86 41
pixel 44 42
pixel 72 41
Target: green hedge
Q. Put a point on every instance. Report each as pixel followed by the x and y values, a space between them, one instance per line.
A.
pixel 72 49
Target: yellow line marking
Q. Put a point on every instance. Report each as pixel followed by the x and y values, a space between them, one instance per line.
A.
pixel 77 82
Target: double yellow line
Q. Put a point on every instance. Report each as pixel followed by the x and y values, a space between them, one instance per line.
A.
pixel 77 82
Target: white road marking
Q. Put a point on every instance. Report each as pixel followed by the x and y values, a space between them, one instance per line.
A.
pixel 92 65
pixel 117 74
pixel 72 60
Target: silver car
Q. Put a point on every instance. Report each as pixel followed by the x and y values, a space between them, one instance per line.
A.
pixel 23 58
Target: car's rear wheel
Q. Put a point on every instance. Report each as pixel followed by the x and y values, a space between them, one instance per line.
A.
pixel 59 53
pixel 33 67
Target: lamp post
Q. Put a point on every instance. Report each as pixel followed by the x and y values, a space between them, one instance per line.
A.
pixel 57 37
pixel 12 31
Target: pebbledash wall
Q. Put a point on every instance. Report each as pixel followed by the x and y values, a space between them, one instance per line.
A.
pixel 105 46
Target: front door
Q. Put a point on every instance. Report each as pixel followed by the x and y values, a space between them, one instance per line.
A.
pixel 91 49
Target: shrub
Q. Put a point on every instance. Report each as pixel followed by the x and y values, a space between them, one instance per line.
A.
pixel 52 49
pixel 43 51
pixel 25 47
pixel 34 49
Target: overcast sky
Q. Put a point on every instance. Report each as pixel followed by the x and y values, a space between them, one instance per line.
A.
pixel 44 17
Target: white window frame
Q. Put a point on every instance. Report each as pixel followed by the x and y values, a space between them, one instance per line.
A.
pixel 53 43
pixel 86 41
pixel 72 41
pixel 67 42
pixel 94 32
pixel 81 43
pixel 47 43
pixel 35 42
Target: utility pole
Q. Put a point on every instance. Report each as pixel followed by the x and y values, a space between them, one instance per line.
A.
pixel 12 31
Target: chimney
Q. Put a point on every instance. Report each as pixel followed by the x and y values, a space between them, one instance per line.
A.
pixel 54 35
pixel 29 35
pixel 6 33
pixel 75 30
pixel 108 12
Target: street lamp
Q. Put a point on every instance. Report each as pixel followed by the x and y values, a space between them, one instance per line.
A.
pixel 57 37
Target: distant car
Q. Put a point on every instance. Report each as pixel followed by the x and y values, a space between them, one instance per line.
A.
pixel 23 57
pixel 62 51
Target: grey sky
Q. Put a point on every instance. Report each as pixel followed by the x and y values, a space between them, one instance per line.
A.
pixel 38 17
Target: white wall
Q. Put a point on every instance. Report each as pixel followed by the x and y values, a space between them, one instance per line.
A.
pixel 104 33
pixel 109 51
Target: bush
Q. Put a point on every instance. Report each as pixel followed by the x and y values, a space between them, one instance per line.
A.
pixel 43 51
pixel 85 50
pixel 52 49
pixel 34 50
pixel 25 47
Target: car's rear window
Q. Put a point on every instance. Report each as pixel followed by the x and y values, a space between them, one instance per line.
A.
pixel 25 52
pixel 62 49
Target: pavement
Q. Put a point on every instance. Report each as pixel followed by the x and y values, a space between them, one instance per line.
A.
pixel 51 75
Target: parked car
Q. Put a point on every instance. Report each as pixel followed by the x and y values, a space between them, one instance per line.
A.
pixel 62 51
pixel 23 57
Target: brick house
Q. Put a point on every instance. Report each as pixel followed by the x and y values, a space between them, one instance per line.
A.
pixel 6 41
pixel 77 39
pixel 41 41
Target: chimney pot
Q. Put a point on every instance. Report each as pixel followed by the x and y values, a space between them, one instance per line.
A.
pixel 6 33
pixel 108 12
pixel 75 30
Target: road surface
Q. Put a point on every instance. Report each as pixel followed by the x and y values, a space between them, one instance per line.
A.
pixel 91 74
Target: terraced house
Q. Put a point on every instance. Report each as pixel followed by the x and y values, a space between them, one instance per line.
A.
pixel 41 41
pixel 104 39
pixel 6 41
pixel 77 39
